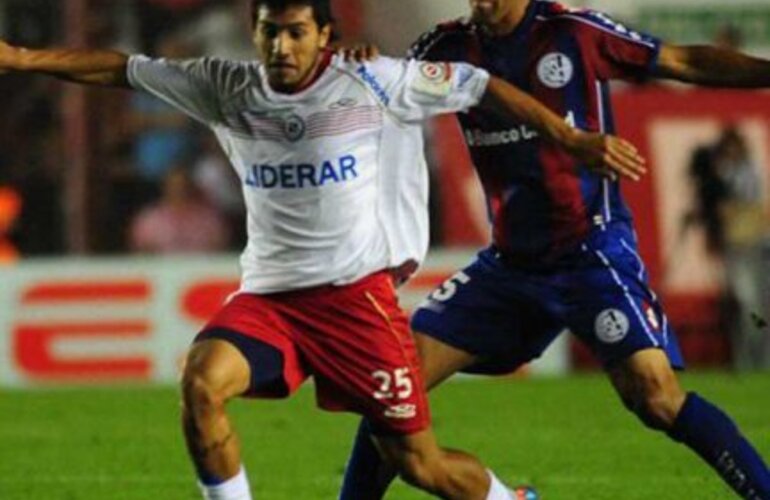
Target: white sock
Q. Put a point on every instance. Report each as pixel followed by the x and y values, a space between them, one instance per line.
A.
pixel 497 490
pixel 235 488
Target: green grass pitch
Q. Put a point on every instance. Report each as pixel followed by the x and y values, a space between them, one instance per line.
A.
pixel 569 437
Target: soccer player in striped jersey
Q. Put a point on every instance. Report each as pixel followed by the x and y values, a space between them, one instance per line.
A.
pixel 329 153
pixel 564 251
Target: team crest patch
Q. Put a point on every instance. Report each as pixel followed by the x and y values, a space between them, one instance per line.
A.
pixel 611 326
pixel 555 70
pixel 294 128
pixel 434 79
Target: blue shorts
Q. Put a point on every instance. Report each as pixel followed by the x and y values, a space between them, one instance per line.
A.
pixel 507 315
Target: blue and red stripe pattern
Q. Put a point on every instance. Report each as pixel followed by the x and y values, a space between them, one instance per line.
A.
pixel 543 203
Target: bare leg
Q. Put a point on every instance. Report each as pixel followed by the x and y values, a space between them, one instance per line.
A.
pixel 439 361
pixel 649 388
pixel 445 473
pixel 367 476
pixel 215 372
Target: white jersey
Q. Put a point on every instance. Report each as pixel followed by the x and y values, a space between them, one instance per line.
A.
pixel 334 177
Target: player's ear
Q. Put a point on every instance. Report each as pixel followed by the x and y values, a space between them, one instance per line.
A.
pixel 325 37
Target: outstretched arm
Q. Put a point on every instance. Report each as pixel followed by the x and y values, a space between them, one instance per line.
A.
pixel 93 67
pixel 712 66
pixel 604 153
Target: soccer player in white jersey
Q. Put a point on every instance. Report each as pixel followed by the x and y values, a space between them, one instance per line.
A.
pixel 329 153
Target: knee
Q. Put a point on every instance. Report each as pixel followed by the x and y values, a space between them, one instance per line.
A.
pixel 656 400
pixel 200 394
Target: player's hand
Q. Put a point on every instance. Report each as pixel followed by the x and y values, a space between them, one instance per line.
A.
pixel 359 52
pixel 609 155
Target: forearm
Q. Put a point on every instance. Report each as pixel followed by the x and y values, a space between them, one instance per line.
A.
pixel 518 106
pixel 712 66
pixel 96 67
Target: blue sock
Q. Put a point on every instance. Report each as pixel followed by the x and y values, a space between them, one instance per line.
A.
pixel 711 434
pixel 366 476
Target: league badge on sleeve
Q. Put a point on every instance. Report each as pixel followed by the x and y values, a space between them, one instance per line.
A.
pixel 434 79
pixel 555 70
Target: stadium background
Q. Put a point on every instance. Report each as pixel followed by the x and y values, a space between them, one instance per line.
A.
pixel 84 301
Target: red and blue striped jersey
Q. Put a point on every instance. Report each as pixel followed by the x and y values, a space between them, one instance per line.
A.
pixel 542 203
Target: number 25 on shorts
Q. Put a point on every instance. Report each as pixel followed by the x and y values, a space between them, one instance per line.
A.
pixel 397 384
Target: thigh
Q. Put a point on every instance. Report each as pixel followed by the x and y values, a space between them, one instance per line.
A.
pixel 357 342
pixel 494 316
pixel 439 360
pixel 254 327
pixel 612 308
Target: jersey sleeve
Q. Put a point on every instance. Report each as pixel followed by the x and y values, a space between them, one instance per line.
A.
pixel 416 90
pixel 429 46
pixel 194 86
pixel 619 52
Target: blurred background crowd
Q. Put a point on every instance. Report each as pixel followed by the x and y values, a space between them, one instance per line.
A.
pixel 104 172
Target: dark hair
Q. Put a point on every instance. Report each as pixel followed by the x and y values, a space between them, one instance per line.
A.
pixel 322 10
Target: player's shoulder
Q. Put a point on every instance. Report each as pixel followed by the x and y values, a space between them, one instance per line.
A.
pixel 444 36
pixel 380 67
pixel 377 75
pixel 583 20
pixel 222 66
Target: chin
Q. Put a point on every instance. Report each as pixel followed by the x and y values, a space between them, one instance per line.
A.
pixel 281 81
pixel 482 18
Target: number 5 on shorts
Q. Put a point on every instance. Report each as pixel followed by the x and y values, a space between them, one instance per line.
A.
pixel 448 289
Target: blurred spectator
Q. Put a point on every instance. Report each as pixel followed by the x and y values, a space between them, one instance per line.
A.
pixel 181 222
pixel 164 137
pixel 728 37
pixel 730 205
pixel 710 193
pixel 745 224
pixel 160 17
pixel 10 208
pixel 32 163
pixel 216 179
pixel 221 30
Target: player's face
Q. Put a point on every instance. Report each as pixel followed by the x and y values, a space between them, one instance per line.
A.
pixel 289 42
pixel 491 12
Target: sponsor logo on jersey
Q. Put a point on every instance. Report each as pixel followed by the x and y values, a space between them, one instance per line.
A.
pixel 611 326
pixel 401 412
pixel 555 70
pixel 344 103
pixel 374 84
pixel 478 138
pixel 294 127
pixel 302 175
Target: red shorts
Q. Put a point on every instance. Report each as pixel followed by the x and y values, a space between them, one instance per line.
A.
pixel 354 340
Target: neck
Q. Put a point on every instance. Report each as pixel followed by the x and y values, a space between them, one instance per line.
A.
pixel 511 20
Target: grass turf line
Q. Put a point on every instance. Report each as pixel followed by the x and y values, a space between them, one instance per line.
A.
pixel 569 437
